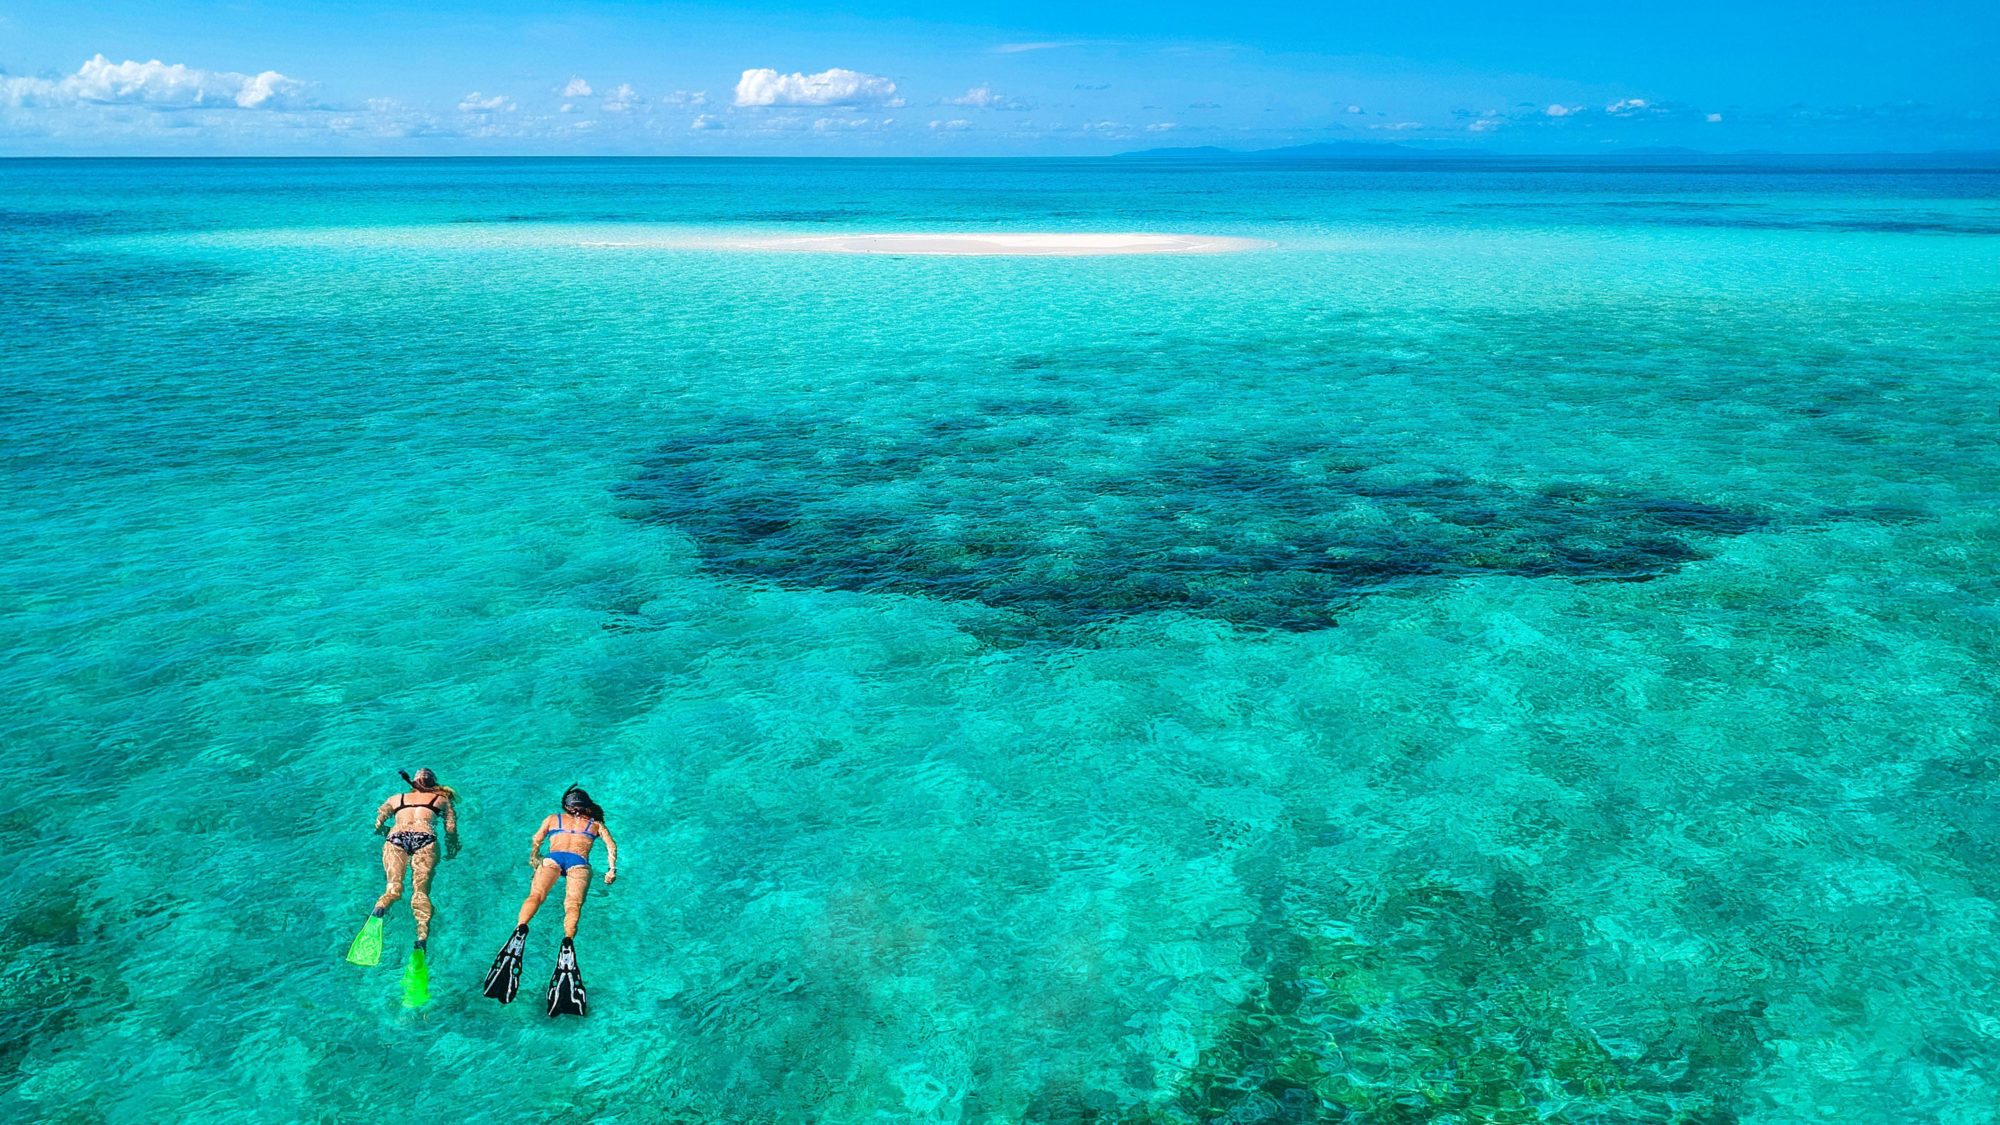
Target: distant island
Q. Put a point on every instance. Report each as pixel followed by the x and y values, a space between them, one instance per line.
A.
pixel 1365 150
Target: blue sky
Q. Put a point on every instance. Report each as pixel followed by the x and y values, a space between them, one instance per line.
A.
pixel 900 77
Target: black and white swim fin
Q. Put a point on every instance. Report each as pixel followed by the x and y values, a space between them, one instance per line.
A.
pixel 503 980
pixel 566 986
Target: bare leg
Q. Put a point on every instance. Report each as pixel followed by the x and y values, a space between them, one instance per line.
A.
pixel 421 869
pixel 394 862
pixel 545 877
pixel 579 884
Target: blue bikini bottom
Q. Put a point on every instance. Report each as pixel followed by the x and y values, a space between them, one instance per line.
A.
pixel 567 860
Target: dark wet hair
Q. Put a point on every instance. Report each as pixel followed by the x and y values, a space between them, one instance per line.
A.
pixel 575 800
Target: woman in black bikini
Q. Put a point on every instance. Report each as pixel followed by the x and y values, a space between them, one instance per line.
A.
pixel 412 844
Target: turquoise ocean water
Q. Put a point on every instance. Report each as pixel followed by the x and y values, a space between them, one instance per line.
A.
pixel 1522 647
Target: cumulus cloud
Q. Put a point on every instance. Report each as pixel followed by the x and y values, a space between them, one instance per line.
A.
pixel 706 122
pixel 1355 109
pixel 686 99
pixel 983 97
pixel 1714 117
pixel 160 85
pixel 1397 126
pixel 475 102
pixel 577 88
pixel 1625 107
pixel 955 125
pixel 622 99
pixel 1162 127
pixel 1557 109
pixel 766 87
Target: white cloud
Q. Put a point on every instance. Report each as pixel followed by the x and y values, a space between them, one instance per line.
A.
pixel 1162 127
pixel 475 102
pixel 577 88
pixel 706 122
pixel 1355 109
pixel 686 99
pixel 1397 126
pixel 955 125
pixel 1714 117
pixel 1557 109
pixel 850 124
pixel 983 97
pixel 1625 107
pixel 269 89
pixel 161 85
pixel 622 99
pixel 836 86
pixel 1486 124
pixel 1018 48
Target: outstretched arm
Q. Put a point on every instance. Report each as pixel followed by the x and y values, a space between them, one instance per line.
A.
pixel 535 845
pixel 382 812
pixel 610 854
pixel 450 829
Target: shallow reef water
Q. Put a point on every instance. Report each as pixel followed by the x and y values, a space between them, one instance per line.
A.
pixel 1520 647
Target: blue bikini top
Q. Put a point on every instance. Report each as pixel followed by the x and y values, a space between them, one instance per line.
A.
pixel 589 828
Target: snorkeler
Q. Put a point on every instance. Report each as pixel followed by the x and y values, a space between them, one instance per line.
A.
pixel 577 828
pixel 411 846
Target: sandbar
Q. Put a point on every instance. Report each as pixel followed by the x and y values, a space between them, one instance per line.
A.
pixel 1028 245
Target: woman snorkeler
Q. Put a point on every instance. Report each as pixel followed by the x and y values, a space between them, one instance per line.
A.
pixel 571 834
pixel 411 847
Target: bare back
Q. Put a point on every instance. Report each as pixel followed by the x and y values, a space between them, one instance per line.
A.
pixel 415 810
pixel 572 834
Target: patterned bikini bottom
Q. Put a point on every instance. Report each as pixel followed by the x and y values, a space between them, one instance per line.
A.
pixel 412 842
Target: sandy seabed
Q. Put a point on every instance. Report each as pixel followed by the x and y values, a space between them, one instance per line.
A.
pixel 1048 245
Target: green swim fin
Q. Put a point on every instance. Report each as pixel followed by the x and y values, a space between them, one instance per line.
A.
pixel 367 947
pixel 417 980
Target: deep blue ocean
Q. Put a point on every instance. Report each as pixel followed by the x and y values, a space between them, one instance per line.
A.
pixel 1518 646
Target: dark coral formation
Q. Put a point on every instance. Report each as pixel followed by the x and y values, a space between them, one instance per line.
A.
pixel 1011 508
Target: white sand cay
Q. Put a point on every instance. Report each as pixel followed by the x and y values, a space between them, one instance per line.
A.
pixel 1041 245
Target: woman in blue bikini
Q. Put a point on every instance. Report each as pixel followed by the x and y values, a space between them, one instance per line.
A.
pixel 571 834
pixel 575 829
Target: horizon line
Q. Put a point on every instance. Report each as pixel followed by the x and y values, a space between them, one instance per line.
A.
pixel 1192 153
